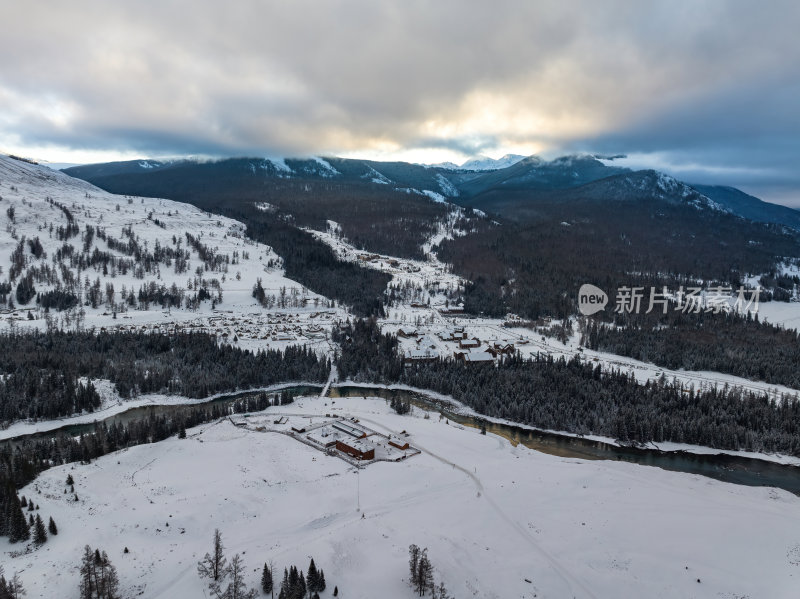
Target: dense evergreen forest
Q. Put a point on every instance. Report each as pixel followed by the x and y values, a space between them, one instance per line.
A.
pixel 42 372
pixel 535 268
pixel 584 398
pixel 705 341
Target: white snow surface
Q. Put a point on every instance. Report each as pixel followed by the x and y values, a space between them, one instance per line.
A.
pixel 447 188
pixel 328 169
pixel 435 196
pixel 280 164
pixel 498 521
pixel 376 177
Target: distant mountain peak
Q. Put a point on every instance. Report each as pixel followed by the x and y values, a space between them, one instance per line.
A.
pixel 484 163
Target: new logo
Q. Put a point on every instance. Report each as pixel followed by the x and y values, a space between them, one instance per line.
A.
pixel 591 299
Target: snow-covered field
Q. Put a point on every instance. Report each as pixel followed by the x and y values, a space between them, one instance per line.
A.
pixel 785 314
pixel 491 516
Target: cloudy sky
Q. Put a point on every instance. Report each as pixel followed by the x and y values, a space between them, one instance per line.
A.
pixel 706 90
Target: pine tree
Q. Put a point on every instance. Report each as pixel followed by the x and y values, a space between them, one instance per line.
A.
pixel 322 584
pixel 52 527
pixel 424 579
pixel 18 526
pixel 336 591
pixel 266 579
pixel 312 578
pixel 413 564
pixel 108 580
pixel 213 565
pixel 440 592
pixel 39 533
pixel 284 584
pixel 98 577
pixel 70 480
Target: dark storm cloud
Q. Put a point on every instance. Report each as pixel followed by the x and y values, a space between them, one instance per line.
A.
pixel 707 86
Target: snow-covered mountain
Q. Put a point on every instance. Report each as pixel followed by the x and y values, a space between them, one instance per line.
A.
pixel 480 182
pixel 484 163
pixel 481 163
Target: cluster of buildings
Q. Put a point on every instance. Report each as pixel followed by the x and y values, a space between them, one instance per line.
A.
pixel 470 350
pixel 269 327
pixel 339 436
pixel 356 441
pixel 392 262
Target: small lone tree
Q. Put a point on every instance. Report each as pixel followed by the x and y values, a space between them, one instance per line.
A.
pixel 440 592
pixel 213 565
pixel 51 526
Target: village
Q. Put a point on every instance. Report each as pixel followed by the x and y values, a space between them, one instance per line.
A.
pixel 251 330
pixel 458 341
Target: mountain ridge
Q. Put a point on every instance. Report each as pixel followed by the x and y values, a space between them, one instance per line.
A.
pixel 518 185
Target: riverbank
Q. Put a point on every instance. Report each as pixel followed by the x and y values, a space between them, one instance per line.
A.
pixel 457 407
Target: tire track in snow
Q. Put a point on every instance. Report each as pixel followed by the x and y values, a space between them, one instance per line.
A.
pixel 570 581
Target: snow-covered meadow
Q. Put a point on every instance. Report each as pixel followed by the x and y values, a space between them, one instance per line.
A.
pixel 492 516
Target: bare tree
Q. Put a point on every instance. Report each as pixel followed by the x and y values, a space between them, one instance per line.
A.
pixel 236 588
pixel 214 565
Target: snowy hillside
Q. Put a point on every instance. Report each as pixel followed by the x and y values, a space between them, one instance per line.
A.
pixel 73 255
